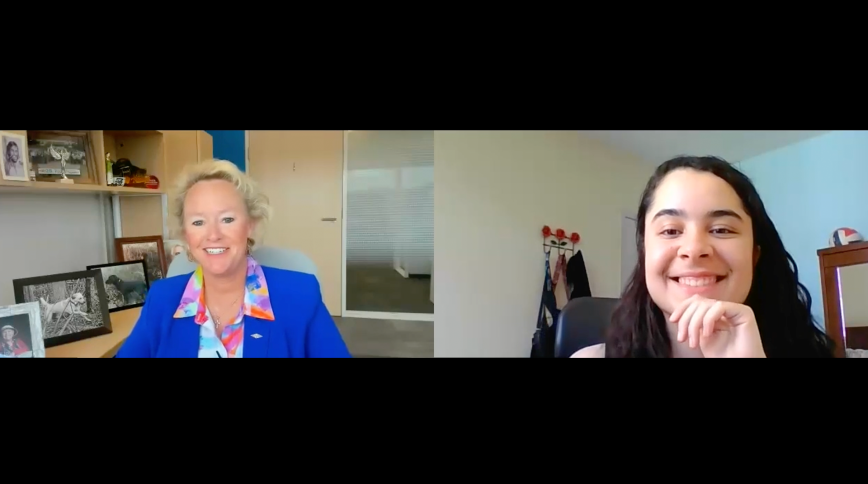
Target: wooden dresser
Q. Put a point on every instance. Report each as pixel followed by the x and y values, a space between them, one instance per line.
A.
pixel 833 260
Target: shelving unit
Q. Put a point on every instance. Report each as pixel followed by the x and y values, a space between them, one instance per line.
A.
pixel 137 211
pixel 144 148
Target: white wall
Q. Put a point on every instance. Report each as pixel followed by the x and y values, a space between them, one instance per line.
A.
pixel 493 192
pixel 44 234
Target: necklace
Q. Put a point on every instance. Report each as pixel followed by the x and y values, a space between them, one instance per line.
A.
pixel 217 318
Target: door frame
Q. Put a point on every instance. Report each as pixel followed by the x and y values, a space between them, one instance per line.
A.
pixel 364 314
pixel 630 216
pixel 246 150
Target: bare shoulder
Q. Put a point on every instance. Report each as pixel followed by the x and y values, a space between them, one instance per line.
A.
pixel 595 351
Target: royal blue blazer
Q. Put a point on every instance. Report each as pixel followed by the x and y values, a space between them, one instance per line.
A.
pixel 302 326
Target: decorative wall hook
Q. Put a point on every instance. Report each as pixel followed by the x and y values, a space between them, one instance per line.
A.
pixel 558 239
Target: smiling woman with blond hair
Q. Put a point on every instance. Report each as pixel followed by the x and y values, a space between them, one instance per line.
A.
pixel 248 310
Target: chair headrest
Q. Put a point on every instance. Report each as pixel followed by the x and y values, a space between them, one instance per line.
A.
pixel 583 322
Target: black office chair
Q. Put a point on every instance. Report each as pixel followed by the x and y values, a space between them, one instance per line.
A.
pixel 583 322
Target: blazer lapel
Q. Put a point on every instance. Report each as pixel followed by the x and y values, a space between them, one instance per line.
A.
pixel 256 332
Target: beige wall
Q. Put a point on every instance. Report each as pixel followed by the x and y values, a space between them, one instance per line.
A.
pixel 854 294
pixel 493 192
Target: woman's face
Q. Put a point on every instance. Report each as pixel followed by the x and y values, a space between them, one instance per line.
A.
pixel 8 334
pixel 698 240
pixel 216 226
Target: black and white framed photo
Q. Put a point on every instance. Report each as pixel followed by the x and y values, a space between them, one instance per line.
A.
pixel 21 331
pixel 149 249
pixel 13 151
pixel 73 305
pixel 126 284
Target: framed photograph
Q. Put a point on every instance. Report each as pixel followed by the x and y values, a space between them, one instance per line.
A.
pixel 47 148
pixel 21 331
pixel 126 284
pixel 14 156
pixel 72 306
pixel 148 249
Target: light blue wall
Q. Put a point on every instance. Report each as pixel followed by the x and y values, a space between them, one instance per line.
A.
pixel 229 145
pixel 810 189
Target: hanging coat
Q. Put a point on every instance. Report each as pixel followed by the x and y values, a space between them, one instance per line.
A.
pixel 577 276
pixel 543 342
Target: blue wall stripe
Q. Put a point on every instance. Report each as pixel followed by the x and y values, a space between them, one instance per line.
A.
pixel 229 145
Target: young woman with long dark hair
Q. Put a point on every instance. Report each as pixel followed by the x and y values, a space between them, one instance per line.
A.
pixel 713 278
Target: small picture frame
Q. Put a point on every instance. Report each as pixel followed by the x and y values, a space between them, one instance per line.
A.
pixel 13 157
pixel 126 284
pixel 72 305
pixel 21 331
pixel 150 249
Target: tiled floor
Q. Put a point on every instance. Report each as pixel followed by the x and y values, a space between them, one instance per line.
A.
pixel 373 338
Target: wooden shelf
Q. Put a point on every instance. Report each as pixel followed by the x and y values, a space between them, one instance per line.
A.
pixel 131 133
pixel 54 187
pixel 104 346
pixel 144 148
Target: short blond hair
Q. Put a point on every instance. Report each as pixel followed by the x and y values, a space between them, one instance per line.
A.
pixel 258 206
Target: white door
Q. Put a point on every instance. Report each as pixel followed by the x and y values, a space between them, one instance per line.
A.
pixel 301 172
pixel 629 256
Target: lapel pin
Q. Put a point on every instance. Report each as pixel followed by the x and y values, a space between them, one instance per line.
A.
pixel 256 335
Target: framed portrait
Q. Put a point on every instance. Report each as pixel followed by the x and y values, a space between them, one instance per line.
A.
pixel 13 156
pixel 21 331
pixel 46 150
pixel 72 305
pixel 149 249
pixel 126 284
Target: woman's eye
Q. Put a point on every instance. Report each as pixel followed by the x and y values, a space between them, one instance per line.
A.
pixel 669 232
pixel 722 231
pixel 198 223
pixel 228 220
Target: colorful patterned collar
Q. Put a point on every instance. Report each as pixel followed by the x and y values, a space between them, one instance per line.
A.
pixel 256 301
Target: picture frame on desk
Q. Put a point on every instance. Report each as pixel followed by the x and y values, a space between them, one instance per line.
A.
pixel 14 164
pixel 72 305
pixel 21 331
pixel 126 284
pixel 150 249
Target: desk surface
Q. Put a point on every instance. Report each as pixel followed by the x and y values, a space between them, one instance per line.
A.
pixel 104 346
